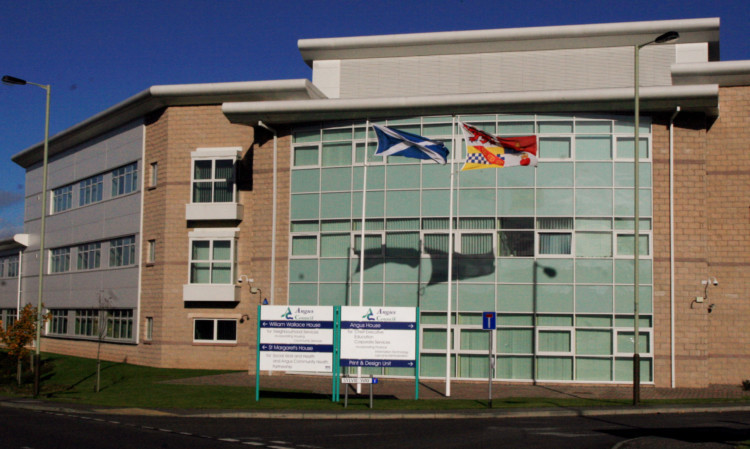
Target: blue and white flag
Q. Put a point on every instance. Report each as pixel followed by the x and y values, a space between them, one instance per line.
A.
pixel 392 142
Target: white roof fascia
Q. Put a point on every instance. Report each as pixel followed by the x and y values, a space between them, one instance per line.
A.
pixel 157 97
pixel 701 97
pixel 723 73
pixel 510 39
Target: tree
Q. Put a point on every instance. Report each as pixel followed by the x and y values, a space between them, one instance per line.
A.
pixel 19 335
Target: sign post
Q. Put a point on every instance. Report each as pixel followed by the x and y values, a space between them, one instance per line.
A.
pixel 379 337
pixel 489 323
pixel 294 338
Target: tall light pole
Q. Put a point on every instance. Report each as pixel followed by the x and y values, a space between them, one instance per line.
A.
pixel 20 82
pixel 669 36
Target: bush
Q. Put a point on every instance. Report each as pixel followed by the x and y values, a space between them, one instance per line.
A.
pixel 746 384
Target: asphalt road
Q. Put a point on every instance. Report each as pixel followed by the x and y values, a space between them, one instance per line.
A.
pixel 24 429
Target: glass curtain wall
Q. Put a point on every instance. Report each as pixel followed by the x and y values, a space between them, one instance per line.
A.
pixel 549 248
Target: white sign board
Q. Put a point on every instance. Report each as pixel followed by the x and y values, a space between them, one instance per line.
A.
pixel 378 336
pixel 296 338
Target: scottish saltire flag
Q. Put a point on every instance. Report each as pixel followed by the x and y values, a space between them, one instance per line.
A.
pixel 484 150
pixel 392 142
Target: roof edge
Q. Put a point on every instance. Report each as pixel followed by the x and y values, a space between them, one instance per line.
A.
pixel 700 97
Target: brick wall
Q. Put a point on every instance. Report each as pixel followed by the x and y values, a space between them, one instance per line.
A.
pixel 712 239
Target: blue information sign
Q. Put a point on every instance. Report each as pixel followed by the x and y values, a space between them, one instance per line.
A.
pixel 488 321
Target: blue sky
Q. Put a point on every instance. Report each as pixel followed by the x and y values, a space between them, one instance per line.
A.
pixel 96 53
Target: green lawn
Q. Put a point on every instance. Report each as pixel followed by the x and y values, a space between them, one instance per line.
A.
pixel 73 380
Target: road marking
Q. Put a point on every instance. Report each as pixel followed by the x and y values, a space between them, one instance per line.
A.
pixel 231 440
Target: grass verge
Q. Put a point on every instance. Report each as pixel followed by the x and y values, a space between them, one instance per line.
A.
pixel 73 380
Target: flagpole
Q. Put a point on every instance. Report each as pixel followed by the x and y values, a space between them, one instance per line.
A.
pixel 450 268
pixel 362 239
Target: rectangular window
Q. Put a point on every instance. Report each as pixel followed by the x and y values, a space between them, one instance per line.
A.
pixel 87 322
pixel 125 179
pixel 215 331
pixel 12 266
pixel 149 328
pixel 10 318
pixel 211 262
pixel 213 181
pixel 89 256
pixel 62 199
pixel 122 251
pixel 151 251
pixel 90 190
pixel 59 322
pixel 60 260
pixel 154 174
pixel 2 268
pixel 120 324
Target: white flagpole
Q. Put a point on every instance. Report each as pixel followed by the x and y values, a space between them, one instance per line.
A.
pixel 450 268
pixel 362 239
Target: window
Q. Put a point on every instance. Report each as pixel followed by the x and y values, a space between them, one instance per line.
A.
pixel 120 324
pixel 149 328
pixel 10 318
pixel 125 179
pixel 90 190
pixel 12 266
pixel 2 267
pixel 62 199
pixel 211 262
pixel 513 241
pixel 154 174
pixel 213 181
pixel 59 322
pixel 218 331
pixel 60 260
pixel 151 251
pixel 122 251
pixel 87 322
pixel 557 241
pixel 89 256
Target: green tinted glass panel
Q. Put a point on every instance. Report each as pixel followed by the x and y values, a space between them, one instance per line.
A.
pixel 594 342
pixel 337 154
pixel 335 205
pixel 594 299
pixel 593 271
pixel 590 148
pixel 337 134
pixel 515 368
pixel 625 147
pixel 403 177
pixel 305 155
pixel 303 294
pixel 333 294
pixel 555 320
pixel 473 366
pixel 474 339
pixel 625 176
pixel 433 338
pixel 303 270
pixel 593 321
pixel 624 271
pixel 554 341
pixel 477 202
pixel 555 368
pixel 477 178
pixel 515 298
pixel 476 297
pixel 593 174
pixel 624 370
pixel 304 206
pixel 305 181
pixel 518 202
pixel 515 270
pixel 593 244
pixel 593 202
pixel 334 270
pixel 334 245
pixel 555 174
pixel 515 341
pixel 436 176
pixel 336 179
pixel 555 298
pixel 515 320
pixel 554 148
pixel 554 202
pixel 401 295
pixel 403 203
pixel 515 128
pixel 589 369
pixel 593 127
pixel 307 136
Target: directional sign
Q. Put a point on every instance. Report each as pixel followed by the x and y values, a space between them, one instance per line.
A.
pixel 378 336
pixel 296 338
pixel 359 380
pixel 489 321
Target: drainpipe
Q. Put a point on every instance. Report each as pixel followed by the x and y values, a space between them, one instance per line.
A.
pixel 671 241
pixel 273 213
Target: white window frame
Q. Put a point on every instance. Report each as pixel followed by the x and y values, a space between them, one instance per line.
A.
pixel 358 234
pixel 125 178
pixel 89 256
pixel 124 246
pixel 56 255
pixel 151 251
pixel 63 197
pixel 215 339
pixel 571 334
pixel 232 261
pixel 642 233
pixel 123 317
pixel 458 240
pixel 12 264
pixel 91 190
pixel 616 332
pixel 304 256
pixel 154 174
pixel 537 242
pixel 149 331
pixel 214 155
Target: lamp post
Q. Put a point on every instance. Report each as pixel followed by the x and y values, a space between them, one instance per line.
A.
pixel 20 82
pixel 669 36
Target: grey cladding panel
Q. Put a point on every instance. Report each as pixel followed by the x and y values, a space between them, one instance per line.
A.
pixel 504 72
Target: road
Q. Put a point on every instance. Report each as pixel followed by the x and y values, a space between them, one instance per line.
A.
pixel 25 429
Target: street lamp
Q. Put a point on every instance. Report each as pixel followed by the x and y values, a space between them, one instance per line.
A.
pixel 20 82
pixel 669 36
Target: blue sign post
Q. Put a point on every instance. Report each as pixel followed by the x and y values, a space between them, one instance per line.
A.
pixel 489 323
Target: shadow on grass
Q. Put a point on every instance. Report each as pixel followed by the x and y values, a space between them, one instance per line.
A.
pixel 70 388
